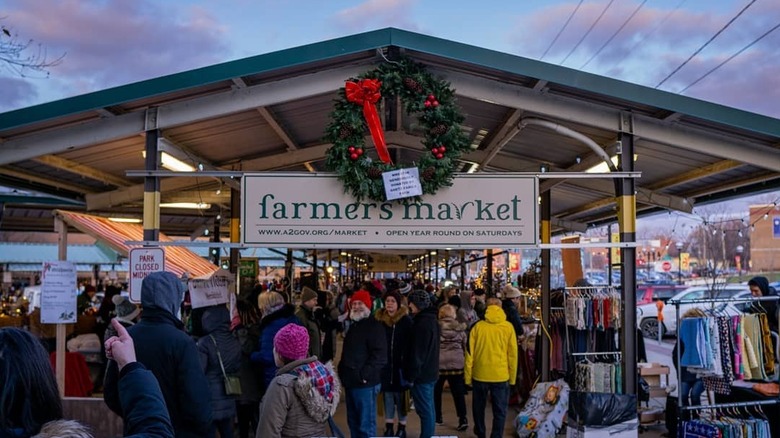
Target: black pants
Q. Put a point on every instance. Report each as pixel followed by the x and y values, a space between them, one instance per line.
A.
pixel 247 414
pixel 458 390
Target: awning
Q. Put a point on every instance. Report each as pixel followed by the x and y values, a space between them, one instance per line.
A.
pixel 178 260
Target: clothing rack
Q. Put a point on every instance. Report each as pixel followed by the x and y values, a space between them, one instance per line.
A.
pixel 729 405
pixel 595 353
pixel 677 304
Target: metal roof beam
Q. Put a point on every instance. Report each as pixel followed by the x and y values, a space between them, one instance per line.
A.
pixel 508 130
pixel 269 118
pixel 174 114
pixel 184 153
pixel 80 169
pixel 696 174
pixel 600 116
pixel 36 178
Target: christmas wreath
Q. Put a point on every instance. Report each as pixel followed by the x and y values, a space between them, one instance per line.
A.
pixel 430 99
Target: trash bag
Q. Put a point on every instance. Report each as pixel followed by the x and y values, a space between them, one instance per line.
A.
pixel 600 408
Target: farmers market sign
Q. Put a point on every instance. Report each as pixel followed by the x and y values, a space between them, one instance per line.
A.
pixel 311 210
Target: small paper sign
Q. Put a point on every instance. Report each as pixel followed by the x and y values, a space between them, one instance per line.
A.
pixel 212 291
pixel 58 293
pixel 402 183
pixel 143 261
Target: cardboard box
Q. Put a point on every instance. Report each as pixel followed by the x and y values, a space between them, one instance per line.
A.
pixel 652 415
pixel 653 369
pixel 628 429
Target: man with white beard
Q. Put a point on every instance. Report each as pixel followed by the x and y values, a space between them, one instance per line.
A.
pixel 362 358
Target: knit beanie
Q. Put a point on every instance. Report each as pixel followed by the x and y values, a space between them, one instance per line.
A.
pixel 307 294
pixel 420 298
pixel 292 342
pixel 125 310
pixel 364 296
pixel 394 294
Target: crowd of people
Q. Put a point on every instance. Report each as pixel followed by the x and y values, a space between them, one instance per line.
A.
pixel 268 366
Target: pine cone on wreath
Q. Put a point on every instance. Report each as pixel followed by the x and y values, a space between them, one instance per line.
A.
pixel 439 129
pixel 413 85
pixel 344 132
pixel 429 173
pixel 374 172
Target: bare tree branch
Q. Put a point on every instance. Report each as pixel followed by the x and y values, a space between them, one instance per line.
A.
pixel 24 57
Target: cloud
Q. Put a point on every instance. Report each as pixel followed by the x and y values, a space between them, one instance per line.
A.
pixel 373 14
pixel 656 41
pixel 15 92
pixel 114 42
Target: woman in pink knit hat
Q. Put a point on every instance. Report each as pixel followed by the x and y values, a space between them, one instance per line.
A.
pixel 305 392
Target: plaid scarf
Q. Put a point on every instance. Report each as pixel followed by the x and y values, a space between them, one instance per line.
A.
pixel 319 377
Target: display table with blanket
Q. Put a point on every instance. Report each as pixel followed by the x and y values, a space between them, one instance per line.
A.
pixel 741 394
pixel 543 414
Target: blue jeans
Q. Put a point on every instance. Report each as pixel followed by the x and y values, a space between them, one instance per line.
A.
pixel 499 399
pixel 393 400
pixel 361 411
pixel 690 393
pixel 422 394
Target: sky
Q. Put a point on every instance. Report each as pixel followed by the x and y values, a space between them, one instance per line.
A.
pixel 107 43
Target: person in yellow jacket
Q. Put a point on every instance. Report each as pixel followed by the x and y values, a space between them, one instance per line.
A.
pixel 491 367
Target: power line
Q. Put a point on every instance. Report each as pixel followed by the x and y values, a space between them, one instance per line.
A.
pixel 656 27
pixel 730 58
pixel 588 32
pixel 609 40
pixel 706 44
pixel 568 20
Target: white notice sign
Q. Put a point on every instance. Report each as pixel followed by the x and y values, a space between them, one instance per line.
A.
pixel 402 183
pixel 212 291
pixel 58 293
pixel 143 261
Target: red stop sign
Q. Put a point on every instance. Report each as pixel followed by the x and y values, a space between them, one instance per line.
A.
pixel 666 266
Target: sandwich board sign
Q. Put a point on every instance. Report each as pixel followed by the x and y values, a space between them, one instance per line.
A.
pixel 143 261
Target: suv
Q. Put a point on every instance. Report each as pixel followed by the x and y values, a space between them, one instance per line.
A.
pixel 648 293
pixel 647 315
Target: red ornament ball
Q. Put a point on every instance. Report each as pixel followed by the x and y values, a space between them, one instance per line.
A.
pixel 354 156
pixel 359 151
pixel 427 103
pixel 442 149
pixel 440 156
pixel 435 151
pixel 351 149
pixel 431 97
pixel 435 103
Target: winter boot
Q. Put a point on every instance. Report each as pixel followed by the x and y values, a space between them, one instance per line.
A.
pixel 463 424
pixel 389 429
pixel 401 431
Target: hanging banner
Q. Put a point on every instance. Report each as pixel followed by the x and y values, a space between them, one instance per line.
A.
pixel 572 261
pixel 615 252
pixel 305 210
pixel 211 291
pixel 514 262
pixel 387 263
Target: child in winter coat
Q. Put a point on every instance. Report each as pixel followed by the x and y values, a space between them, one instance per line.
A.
pixel 452 352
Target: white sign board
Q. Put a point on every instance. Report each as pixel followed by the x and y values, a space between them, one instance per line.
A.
pixel 143 261
pixel 402 183
pixel 212 291
pixel 58 293
pixel 304 210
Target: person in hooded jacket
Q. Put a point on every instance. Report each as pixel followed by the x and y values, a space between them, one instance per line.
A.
pixel 491 367
pixel 452 354
pixel 275 315
pixel 759 287
pixel 397 323
pixel 303 395
pixel 215 346
pixel 248 334
pixel 421 363
pixel 170 354
pixel 30 404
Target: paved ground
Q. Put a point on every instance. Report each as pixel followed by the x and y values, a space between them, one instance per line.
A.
pixel 655 352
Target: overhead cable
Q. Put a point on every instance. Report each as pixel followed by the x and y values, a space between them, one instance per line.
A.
pixel 588 32
pixel 730 58
pixel 568 20
pixel 656 27
pixel 706 44
pixel 609 40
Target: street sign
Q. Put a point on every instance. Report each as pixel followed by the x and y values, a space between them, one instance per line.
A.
pixel 143 261
pixel 666 266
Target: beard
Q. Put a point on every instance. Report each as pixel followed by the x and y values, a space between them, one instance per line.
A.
pixel 359 315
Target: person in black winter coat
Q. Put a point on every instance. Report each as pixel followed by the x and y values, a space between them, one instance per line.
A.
pixel 421 364
pixel 168 352
pixel 759 287
pixel 275 315
pixel 362 358
pixel 219 345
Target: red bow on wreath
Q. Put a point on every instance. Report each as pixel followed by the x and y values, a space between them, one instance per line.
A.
pixel 366 93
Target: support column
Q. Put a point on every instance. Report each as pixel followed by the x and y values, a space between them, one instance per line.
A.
pixel 462 270
pixel 546 237
pixel 626 203
pixel 289 271
pixel 489 274
pixel 215 252
pixel 235 228
pixel 152 183
pixel 62 254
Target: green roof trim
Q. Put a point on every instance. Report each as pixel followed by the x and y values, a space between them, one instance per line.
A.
pixel 413 41
pixel 37 200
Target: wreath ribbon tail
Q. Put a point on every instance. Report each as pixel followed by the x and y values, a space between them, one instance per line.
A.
pixel 377 134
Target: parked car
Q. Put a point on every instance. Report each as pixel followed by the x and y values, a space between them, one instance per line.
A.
pixel 649 293
pixel 647 315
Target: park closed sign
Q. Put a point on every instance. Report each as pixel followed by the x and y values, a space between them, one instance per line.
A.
pixel 143 261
